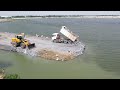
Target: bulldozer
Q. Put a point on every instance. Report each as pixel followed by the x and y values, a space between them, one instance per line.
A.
pixel 19 41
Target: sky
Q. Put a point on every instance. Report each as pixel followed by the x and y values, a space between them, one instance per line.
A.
pixel 14 13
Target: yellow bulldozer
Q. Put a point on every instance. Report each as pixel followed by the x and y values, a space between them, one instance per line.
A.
pixel 19 41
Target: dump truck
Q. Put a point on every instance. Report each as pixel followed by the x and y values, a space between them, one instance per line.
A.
pixel 69 36
pixel 19 41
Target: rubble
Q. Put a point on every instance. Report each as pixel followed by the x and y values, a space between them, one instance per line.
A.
pixel 45 48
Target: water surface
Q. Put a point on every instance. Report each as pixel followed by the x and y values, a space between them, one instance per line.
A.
pixel 100 60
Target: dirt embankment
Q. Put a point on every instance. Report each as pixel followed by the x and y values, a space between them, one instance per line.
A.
pixel 45 48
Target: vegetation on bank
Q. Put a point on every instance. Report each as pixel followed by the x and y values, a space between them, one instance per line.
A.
pixel 12 76
pixel 3 75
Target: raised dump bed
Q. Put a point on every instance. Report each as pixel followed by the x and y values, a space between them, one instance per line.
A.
pixel 69 34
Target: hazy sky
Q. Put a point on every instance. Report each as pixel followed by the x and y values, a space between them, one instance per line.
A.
pixel 13 13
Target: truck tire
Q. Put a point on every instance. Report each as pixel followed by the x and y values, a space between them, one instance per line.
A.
pixel 54 40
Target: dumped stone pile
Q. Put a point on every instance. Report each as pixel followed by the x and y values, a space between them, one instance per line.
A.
pixel 45 48
pixel 53 55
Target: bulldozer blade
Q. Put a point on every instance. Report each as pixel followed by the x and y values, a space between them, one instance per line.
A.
pixel 31 46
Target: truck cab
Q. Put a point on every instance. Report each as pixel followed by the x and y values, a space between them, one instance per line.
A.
pixel 56 37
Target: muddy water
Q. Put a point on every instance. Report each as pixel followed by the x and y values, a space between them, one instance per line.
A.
pixel 100 60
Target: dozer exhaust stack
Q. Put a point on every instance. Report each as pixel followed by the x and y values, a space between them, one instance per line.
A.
pixel 31 46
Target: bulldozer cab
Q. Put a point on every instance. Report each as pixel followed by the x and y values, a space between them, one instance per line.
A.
pixel 19 37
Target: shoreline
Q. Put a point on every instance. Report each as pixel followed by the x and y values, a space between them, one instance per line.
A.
pixel 85 17
pixel 82 17
pixel 6 20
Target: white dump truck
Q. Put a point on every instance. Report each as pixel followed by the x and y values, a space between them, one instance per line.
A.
pixel 69 36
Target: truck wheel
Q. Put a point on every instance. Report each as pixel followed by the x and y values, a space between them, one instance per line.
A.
pixel 54 41
pixel 22 45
